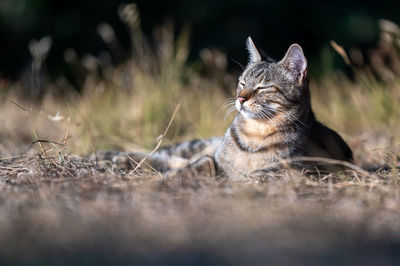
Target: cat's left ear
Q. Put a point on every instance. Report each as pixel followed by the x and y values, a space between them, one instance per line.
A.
pixel 295 62
pixel 254 55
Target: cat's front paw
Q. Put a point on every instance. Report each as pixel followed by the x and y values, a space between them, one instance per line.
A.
pixel 204 167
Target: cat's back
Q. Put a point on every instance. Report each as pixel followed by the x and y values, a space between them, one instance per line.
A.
pixel 325 142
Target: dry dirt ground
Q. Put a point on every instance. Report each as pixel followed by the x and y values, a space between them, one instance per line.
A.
pixel 69 211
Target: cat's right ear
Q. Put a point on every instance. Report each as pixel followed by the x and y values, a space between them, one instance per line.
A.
pixel 295 62
pixel 254 55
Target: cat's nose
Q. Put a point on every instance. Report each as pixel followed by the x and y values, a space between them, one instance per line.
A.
pixel 242 99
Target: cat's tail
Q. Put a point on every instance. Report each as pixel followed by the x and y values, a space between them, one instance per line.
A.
pixel 163 159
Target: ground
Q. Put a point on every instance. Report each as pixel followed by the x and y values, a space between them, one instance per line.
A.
pixel 68 210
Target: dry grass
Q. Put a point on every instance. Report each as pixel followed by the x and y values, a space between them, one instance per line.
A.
pixel 61 208
pixel 71 211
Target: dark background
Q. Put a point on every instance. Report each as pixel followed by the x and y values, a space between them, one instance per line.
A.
pixel 224 24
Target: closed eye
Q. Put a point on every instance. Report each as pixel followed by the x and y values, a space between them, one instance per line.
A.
pixel 266 89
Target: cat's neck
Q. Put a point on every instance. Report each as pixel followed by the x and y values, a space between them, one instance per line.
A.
pixel 301 118
pixel 255 127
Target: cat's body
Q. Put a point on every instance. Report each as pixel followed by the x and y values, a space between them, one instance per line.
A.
pixel 251 148
pixel 275 120
pixel 274 123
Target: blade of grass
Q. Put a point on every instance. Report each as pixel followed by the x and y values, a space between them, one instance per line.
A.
pixel 31 124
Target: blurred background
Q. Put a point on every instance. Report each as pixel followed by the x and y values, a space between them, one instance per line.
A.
pixel 110 73
pixel 274 25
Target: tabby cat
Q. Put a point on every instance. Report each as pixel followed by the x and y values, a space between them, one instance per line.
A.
pixel 274 123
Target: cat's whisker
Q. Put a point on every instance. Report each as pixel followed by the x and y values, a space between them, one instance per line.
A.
pixel 228 102
pixel 263 115
pixel 230 110
pixel 237 62
pixel 294 119
pixel 267 113
pixel 228 105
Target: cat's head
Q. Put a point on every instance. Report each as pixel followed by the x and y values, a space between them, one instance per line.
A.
pixel 268 87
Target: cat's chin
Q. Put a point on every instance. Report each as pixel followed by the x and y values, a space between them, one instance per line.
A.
pixel 248 115
pixel 245 114
pixel 238 106
pixel 242 111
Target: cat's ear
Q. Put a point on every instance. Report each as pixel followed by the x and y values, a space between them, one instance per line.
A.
pixel 254 55
pixel 295 62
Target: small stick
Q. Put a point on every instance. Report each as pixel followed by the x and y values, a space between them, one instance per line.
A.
pixel 12 157
pixel 160 138
pixel 46 141
pixel 323 160
pixel 149 165
pixel 67 135
pixel 31 124
pixel 64 138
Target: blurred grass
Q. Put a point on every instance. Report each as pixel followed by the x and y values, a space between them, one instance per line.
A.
pixel 123 116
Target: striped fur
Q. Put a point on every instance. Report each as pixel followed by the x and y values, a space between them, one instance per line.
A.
pixel 171 157
pixel 275 122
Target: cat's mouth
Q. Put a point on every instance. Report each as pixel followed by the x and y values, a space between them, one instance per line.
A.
pixel 245 111
pixel 240 107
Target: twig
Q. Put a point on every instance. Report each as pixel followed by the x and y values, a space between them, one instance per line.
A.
pixel 31 124
pixel 45 141
pixel 159 139
pixel 149 165
pixel 67 135
pixel 12 157
pixel 340 50
pixel 325 177
pixel 64 138
pixel 323 160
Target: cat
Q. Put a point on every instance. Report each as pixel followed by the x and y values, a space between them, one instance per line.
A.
pixel 274 123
